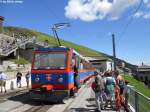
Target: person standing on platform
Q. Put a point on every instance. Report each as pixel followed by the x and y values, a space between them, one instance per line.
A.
pixel 3 78
pixel 76 78
pixel 121 83
pixel 27 78
pixel 117 98
pixel 98 87
pixel 109 82
pixel 126 91
pixel 18 76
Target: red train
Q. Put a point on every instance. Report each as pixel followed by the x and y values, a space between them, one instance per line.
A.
pixel 53 72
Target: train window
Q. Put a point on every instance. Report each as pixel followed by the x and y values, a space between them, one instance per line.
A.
pixel 41 60
pixel 52 60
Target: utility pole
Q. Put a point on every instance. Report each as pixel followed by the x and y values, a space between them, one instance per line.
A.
pixel 114 51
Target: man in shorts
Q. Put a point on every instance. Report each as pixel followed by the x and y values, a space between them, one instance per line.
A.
pixel 3 78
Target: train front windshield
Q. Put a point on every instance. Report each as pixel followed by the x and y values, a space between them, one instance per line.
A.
pixel 50 60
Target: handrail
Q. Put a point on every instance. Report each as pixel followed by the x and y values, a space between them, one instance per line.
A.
pixel 20 43
pixel 138 101
pixel 142 95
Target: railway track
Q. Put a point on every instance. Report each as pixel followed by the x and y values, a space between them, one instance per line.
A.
pixel 21 102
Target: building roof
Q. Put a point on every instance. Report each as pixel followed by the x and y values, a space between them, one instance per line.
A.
pixel 90 58
pixel 101 60
pixel 144 67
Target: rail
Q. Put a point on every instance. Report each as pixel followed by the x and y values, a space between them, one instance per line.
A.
pixel 138 101
pixel 6 52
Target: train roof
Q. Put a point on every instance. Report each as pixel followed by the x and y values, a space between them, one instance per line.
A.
pixel 52 48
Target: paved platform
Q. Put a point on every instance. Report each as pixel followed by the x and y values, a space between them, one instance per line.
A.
pixel 12 82
pixel 83 102
pixel 11 76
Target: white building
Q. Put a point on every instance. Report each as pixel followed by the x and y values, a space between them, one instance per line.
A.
pixel 101 64
pixel 144 74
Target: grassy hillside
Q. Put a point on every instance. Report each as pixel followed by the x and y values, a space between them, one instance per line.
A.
pixel 139 86
pixel 42 36
pixel 85 51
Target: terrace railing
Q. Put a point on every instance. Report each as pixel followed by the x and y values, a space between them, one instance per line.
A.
pixel 139 102
pixel 20 44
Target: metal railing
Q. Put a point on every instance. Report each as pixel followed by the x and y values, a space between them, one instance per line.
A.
pixel 138 101
pixel 20 44
pixel 6 52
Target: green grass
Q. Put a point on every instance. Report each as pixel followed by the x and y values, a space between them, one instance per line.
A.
pixel 21 61
pixel 139 86
pixel 51 40
pixel 143 103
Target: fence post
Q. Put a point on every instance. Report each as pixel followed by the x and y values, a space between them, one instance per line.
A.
pixel 12 85
pixel 136 102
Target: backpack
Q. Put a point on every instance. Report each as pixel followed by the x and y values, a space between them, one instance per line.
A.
pixel 121 83
pixel 96 80
pixel 97 87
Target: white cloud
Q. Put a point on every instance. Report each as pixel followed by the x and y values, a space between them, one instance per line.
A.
pixel 147 3
pixel 90 10
pixel 141 14
pixel 119 6
pixel 147 15
pixel 138 14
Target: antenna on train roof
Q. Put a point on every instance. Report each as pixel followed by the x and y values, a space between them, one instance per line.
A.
pixel 59 26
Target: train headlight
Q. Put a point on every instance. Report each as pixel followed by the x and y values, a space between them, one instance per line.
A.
pixel 60 79
pixel 37 78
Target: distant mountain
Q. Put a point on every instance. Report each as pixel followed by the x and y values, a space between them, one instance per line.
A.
pixel 85 51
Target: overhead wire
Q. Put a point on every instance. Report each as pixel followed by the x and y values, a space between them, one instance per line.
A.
pixel 130 21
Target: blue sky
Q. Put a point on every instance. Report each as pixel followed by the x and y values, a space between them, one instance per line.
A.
pixel 92 22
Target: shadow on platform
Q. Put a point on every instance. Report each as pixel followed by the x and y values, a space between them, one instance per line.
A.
pixel 90 99
pixel 25 99
pixel 82 110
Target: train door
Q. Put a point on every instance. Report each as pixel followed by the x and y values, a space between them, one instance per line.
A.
pixel 76 67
